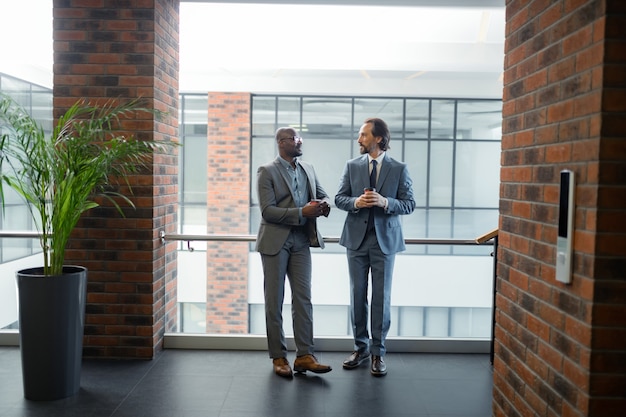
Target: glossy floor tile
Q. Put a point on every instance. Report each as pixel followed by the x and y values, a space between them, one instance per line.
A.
pixel 206 383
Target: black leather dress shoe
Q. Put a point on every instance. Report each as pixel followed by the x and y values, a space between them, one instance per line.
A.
pixel 378 366
pixel 355 359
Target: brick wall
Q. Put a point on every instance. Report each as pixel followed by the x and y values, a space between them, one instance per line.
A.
pixel 228 202
pixel 122 50
pixel 560 348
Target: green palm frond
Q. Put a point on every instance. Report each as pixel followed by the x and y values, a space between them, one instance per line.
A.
pixel 59 176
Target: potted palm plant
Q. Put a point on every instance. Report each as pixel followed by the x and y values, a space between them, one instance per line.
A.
pixel 58 176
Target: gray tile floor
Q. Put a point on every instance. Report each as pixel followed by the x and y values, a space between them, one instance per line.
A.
pixel 206 383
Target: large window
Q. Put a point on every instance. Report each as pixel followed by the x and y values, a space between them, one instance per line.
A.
pixel 37 101
pixel 452 149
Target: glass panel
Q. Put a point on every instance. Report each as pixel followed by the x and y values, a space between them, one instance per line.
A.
pixel 194 220
pixel 332 227
pixel 460 322
pixel 327 320
pixel 192 317
pixel 16 217
pixel 288 114
pixel 326 117
pixel 19 90
pixel 42 108
pixel 195 182
pixel 411 321
pixel 479 119
pixel 439 227
pixel 437 322
pixel 440 186
pixel 328 165
pixel 8 288
pixel 263 116
pixel 442 123
pixel 264 151
pixel 415 226
pixel 331 320
pixel 421 295
pixel 416 158
pixel 469 322
pixel 257 319
pixel 195 113
pixel 423 304
pixel 477 177
pixel 439 223
pixel 417 119
pixel 195 129
pixel 388 109
pixel 469 224
pixel 481 322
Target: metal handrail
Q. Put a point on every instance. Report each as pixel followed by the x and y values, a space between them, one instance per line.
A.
pixel 329 239
pixel 252 238
pixel 20 234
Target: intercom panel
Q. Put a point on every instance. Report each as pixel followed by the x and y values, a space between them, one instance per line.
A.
pixel 564 243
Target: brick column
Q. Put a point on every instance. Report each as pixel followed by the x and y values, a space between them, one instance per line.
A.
pixel 561 348
pixel 228 202
pixel 107 50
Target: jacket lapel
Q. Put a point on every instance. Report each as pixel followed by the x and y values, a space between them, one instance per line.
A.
pixel 384 171
pixel 286 178
pixel 309 179
pixel 365 173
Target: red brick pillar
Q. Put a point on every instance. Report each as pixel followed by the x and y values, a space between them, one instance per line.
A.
pixel 228 202
pixel 104 50
pixel 560 349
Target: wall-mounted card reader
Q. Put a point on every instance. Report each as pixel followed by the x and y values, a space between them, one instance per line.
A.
pixel 565 236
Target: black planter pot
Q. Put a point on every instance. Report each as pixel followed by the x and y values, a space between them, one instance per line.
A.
pixel 51 320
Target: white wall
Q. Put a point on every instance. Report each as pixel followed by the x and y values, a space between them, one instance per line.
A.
pixel 424 281
pixel 8 287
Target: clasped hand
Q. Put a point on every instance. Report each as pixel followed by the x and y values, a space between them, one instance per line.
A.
pixel 316 209
pixel 370 199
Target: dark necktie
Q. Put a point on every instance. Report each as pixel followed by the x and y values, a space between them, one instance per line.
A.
pixel 373 174
pixel 370 219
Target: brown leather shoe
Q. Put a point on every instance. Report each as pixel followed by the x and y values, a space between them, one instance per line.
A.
pixel 282 368
pixel 378 366
pixel 309 363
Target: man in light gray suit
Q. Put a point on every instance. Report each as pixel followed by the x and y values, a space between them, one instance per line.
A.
pixel 291 199
pixel 375 190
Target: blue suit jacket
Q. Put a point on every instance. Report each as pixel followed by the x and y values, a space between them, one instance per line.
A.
pixel 395 184
pixel 279 212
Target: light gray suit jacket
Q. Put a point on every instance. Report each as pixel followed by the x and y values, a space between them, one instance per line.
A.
pixel 278 209
pixel 394 183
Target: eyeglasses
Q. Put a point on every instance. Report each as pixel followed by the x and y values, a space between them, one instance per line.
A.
pixel 294 138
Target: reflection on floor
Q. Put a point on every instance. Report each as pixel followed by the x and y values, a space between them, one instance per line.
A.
pixel 207 383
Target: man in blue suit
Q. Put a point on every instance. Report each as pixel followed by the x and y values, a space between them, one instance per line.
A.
pixel 291 199
pixel 375 190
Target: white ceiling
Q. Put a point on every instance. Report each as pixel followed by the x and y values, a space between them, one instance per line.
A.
pixel 426 48
pixel 404 48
